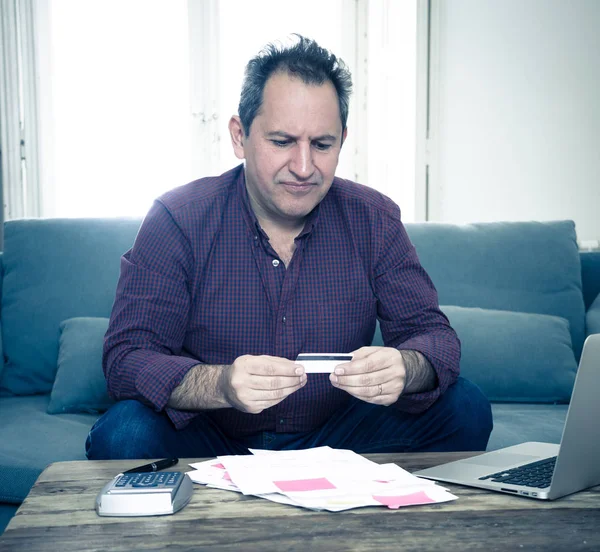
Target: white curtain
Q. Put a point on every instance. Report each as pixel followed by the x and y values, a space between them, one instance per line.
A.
pixel 18 111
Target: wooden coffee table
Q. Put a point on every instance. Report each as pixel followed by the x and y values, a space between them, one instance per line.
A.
pixel 58 514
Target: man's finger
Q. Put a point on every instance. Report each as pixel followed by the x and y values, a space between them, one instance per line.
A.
pixel 363 352
pixel 367 379
pixel 272 396
pixel 368 365
pixel 273 366
pixel 368 360
pixel 262 383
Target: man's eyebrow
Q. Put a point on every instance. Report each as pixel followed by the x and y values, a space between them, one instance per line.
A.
pixel 281 134
pixel 326 138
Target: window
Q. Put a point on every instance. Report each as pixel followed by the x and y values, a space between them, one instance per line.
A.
pixel 135 95
pixel 117 131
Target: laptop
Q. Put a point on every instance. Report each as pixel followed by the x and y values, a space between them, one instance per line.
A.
pixel 543 470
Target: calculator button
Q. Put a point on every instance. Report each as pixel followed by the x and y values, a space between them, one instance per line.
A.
pixel 123 481
pixel 161 478
pixel 174 477
pixel 147 481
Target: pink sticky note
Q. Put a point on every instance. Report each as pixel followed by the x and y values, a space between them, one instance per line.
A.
pixel 404 500
pixel 317 484
pixel 226 476
pixel 218 466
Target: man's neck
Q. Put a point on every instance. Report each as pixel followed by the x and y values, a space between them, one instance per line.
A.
pixel 281 228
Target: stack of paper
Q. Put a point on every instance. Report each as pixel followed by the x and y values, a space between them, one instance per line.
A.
pixel 320 479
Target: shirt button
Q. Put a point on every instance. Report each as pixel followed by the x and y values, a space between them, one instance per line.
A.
pixel 275 263
pixel 281 421
pixel 283 319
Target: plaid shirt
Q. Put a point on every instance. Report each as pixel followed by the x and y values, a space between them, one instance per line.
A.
pixel 202 285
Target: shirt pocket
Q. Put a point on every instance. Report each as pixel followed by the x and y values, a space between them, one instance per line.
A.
pixel 346 326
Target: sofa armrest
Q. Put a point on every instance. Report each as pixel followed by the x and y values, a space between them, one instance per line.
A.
pixel 590 276
pixel 592 317
pixel 1 347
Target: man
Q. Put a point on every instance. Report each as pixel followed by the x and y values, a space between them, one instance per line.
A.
pixel 231 277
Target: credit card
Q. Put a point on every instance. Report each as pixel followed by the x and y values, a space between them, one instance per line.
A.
pixel 322 363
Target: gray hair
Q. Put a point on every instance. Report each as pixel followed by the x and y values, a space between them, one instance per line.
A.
pixel 306 60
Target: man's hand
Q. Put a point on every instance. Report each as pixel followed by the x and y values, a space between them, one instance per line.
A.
pixel 379 375
pixel 254 383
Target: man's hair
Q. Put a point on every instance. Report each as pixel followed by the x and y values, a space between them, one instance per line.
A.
pixel 305 60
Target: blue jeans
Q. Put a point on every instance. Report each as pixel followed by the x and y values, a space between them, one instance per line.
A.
pixel 461 419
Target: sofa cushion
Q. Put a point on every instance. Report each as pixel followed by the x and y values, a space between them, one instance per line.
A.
pixel 1 355
pixel 31 440
pixel 590 276
pixel 519 423
pixel 54 269
pixel 80 385
pixel 593 317
pixel 1 348
pixel 513 356
pixel 7 512
pixel 512 266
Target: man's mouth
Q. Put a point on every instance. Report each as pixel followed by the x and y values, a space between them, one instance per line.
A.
pixel 299 186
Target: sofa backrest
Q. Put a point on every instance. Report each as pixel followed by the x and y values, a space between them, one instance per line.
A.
pixel 530 267
pixel 54 269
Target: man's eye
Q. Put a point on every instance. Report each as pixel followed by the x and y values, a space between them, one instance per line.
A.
pixel 321 146
pixel 280 143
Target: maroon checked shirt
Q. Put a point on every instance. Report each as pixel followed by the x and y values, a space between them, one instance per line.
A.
pixel 202 285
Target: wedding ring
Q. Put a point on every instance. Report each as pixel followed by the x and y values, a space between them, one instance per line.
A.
pixel 380 389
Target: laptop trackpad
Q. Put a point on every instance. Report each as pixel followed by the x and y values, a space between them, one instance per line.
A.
pixel 501 459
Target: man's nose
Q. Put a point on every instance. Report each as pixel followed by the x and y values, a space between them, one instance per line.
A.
pixel 302 161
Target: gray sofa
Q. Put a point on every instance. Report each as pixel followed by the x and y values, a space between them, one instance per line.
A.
pixel 520 295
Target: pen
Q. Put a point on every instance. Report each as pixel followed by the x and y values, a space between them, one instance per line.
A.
pixel 154 466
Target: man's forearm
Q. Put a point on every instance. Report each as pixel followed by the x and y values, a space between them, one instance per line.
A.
pixel 420 374
pixel 201 389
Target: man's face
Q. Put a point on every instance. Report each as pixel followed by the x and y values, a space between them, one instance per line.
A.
pixel 292 149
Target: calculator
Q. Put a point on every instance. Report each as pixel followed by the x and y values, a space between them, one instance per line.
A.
pixel 145 494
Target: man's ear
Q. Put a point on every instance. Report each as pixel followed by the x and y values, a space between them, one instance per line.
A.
pixel 236 130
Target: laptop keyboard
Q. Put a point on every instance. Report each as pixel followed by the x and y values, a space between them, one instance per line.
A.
pixel 537 474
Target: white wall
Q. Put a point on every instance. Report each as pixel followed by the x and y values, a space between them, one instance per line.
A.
pixel 516 116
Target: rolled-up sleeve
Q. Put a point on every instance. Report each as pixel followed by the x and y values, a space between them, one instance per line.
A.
pixel 142 348
pixel 409 313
